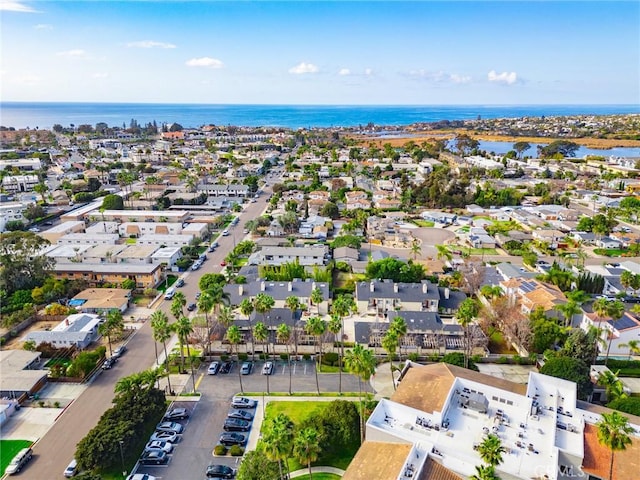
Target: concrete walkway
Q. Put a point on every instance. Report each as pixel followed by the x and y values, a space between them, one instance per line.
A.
pixel 305 471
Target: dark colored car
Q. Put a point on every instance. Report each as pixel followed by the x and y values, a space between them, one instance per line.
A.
pixel 176 414
pixel 109 363
pixel 226 367
pixel 220 471
pixel 154 457
pixel 232 438
pixel 191 307
pixel 236 425
pixel 241 414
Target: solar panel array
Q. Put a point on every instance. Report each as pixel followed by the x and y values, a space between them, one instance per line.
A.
pixel 624 323
pixel 527 287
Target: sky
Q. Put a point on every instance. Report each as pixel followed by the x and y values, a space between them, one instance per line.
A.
pixel 308 52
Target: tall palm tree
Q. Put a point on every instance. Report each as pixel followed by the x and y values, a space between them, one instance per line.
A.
pixel 234 336
pixel 293 303
pixel 306 447
pixel 162 333
pixel 278 438
pixel 568 310
pixel 443 253
pixel 246 308
pixel 226 316
pixel 608 309
pixel 263 304
pixel 183 329
pixel 205 305
pixel 491 450
pixel 316 298
pixel 114 323
pixel 484 472
pixel 177 305
pixel 283 333
pixel 390 344
pixel 416 249
pixel 399 328
pixel 343 305
pixel 317 327
pixel 614 433
pixel 612 385
pixel 360 362
pixel 261 334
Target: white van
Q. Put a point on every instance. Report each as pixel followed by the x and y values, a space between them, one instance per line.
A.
pixel 19 461
pixel 168 295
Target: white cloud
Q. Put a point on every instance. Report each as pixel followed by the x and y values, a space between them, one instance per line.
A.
pixel 344 71
pixel 99 75
pixel 508 78
pixel 440 76
pixel 455 78
pixel 303 68
pixel 368 72
pixel 43 26
pixel 204 62
pixel 150 44
pixel 16 6
pixel 76 52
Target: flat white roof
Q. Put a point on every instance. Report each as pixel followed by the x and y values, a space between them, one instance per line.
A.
pixel 195 227
pixel 165 252
pixel 67 251
pixel 64 226
pixel 146 213
pixel 161 238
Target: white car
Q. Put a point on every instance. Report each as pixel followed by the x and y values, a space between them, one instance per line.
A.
pixel 267 369
pixel 159 445
pixel 225 233
pixel 141 476
pixel 170 437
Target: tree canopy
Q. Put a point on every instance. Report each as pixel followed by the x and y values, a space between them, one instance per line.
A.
pixel 572 369
pixel 396 270
pixel 22 264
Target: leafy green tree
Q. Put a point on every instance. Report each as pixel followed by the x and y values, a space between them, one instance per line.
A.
pixel 396 270
pixel 112 202
pixel 278 439
pixel 564 148
pixel 352 241
pixel 465 144
pixel 630 405
pixel 330 210
pixel 614 432
pixel 210 280
pixel 33 212
pixel 485 472
pixel 256 465
pixel 22 265
pixel 521 147
pixel 466 314
pixel 571 369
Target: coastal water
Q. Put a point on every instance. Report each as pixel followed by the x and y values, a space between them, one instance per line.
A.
pixel 45 115
pixel 504 147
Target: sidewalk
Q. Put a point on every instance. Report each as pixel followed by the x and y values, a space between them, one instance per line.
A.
pixel 305 471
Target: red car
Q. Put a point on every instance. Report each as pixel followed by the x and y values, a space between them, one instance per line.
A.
pixel 223 264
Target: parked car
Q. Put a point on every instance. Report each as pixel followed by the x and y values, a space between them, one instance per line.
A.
pixel 267 368
pixel 191 307
pixel 226 367
pixel 225 233
pixel 215 245
pixel 169 427
pixel 223 263
pixel 232 438
pixel 196 266
pixel 71 469
pixel 246 368
pixel 170 437
pixel 159 445
pixel 220 471
pixel 236 425
pixel 211 248
pixel 118 352
pixel 176 414
pixel 154 457
pixel 198 295
pixel 180 283
pixel 241 414
pixel 19 461
pixel 213 368
pixel 243 402
pixel 109 363
pixel 141 476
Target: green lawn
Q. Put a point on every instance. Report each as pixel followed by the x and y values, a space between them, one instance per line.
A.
pixel 8 450
pixel 422 223
pixel 321 476
pixel 297 412
pixel 57 361
pixel 480 251
pixel 611 252
pixel 497 344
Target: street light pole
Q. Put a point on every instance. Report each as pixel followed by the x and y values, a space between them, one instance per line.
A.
pixel 124 472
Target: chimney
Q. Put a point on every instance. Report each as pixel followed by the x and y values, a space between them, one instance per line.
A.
pixel 262 286
pixel 395 287
pixel 424 287
pixel 313 286
pixel 446 293
pixel 240 289
pixel 290 287
pixel 371 287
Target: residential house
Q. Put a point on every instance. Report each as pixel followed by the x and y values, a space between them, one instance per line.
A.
pixel 608 242
pixel 22 375
pixel 308 256
pixel 357 200
pixel 231 190
pixel 22 164
pixel 145 275
pixel 89 239
pixel 346 254
pixel 101 300
pixel 12 212
pixel 78 330
pixel 167 256
pixel 197 230
pixel 615 333
pixel 137 254
pixel 531 294
pixel 165 240
pixel 103 253
pixel 172 216
pixel 14 184
pixel 136 229
pixel 436 216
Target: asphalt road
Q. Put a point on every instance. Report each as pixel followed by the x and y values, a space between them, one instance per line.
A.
pixel 193 453
pixel 54 451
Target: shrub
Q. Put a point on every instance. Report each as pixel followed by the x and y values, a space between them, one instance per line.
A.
pixel 220 450
pixel 284 356
pixel 503 360
pixel 236 451
pixel 263 356
pixel 330 358
pixel 306 356
pixel 224 358
pixel 413 356
pixel 243 357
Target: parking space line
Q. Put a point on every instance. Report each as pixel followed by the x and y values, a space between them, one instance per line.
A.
pixel 199 380
pixel 294 368
pixel 305 368
pixel 283 369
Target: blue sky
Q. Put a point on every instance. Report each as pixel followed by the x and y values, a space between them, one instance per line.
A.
pixel 308 52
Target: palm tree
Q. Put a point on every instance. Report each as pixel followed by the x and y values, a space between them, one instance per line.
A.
pixel 226 316
pixel 390 344
pixel 162 333
pixel 416 249
pixel 399 328
pixel 443 253
pixel 246 308
pixel 205 305
pixel 234 336
pixel 114 323
pixel 612 385
pixel 306 447
pixel 361 362
pixel 263 304
pixel 342 306
pixel 278 437
pixel 614 433
pixel 608 309
pixel 183 329
pixel 317 327
pixel 177 305
pixel 491 450
pixel 568 310
pixel 484 472
pixel 316 298
pixel 633 346
pixel 283 333
pixel 261 334
pixel 466 313
pixel 293 303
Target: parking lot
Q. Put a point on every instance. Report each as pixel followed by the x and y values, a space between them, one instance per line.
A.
pixel 194 450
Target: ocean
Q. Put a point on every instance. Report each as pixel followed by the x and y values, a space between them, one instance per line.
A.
pixel 45 115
